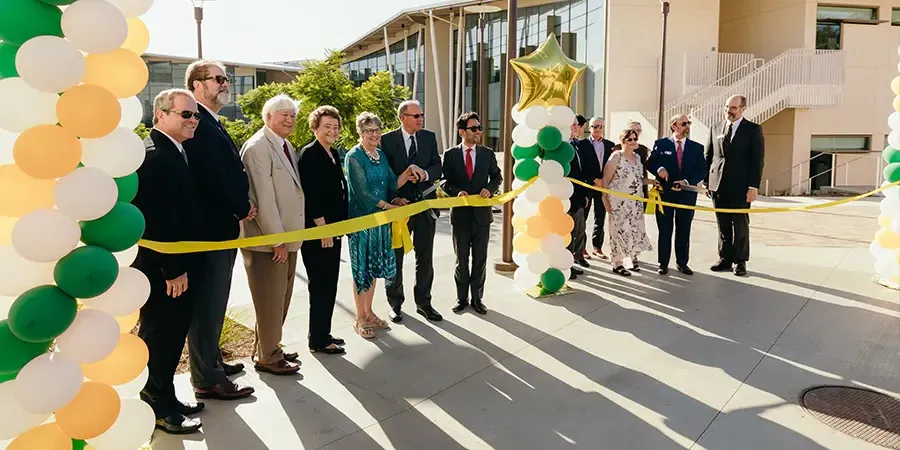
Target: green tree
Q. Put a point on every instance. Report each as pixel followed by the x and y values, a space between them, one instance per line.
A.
pixel 142 130
pixel 378 95
pixel 324 83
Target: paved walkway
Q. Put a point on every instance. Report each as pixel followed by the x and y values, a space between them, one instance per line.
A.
pixel 703 362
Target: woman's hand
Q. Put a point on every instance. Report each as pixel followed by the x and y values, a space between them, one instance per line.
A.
pixel 606 204
pixel 327 242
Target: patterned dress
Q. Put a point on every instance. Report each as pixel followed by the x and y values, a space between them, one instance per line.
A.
pixel 371 251
pixel 629 235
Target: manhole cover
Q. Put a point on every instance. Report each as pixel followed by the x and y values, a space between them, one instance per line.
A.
pixel 861 413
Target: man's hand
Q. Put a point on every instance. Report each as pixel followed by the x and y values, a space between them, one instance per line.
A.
pixel 281 254
pixel 751 195
pixel 419 173
pixel 252 214
pixel 176 287
pixel 598 182
pixel 462 194
pixel 400 201
pixel 485 193
pixel 678 185
pixel 663 173
pixel 327 242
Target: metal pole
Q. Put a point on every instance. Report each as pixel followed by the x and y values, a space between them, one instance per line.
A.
pixel 451 137
pixel 405 57
pixel 387 54
pixel 198 16
pixel 418 61
pixel 660 120
pixel 460 57
pixel 512 52
pixel 437 81
pixel 482 85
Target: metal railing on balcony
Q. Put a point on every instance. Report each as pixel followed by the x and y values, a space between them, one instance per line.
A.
pixel 702 69
pixel 838 179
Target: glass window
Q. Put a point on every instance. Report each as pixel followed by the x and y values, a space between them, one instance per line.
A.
pixel 846 13
pixel 895 16
pixel 840 144
pixel 828 36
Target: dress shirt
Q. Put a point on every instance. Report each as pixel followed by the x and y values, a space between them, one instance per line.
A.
pixel 214 114
pixel 734 127
pixel 599 149
pixel 408 144
pixel 474 152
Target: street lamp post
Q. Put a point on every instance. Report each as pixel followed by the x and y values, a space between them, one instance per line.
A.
pixel 660 120
pixel 198 16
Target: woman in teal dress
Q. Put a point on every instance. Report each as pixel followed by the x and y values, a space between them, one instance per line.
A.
pixel 370 179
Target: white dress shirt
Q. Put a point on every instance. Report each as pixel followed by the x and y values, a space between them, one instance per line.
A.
pixel 474 152
pixel 734 127
pixel 215 115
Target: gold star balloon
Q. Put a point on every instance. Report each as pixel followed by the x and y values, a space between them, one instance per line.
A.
pixel 547 76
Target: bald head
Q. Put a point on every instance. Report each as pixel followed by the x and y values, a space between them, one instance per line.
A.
pixel 735 106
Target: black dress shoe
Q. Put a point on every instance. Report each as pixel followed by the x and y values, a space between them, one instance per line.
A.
pixel 337 341
pixel 583 263
pixel 683 268
pixel 178 424
pixel 329 350
pixel 577 271
pixel 291 357
pixel 740 269
pixel 224 391
pixel 663 270
pixel 479 308
pixel 460 306
pixel 721 266
pixel 190 408
pixel 232 369
pixel 429 313
pixel 572 275
pixel 395 315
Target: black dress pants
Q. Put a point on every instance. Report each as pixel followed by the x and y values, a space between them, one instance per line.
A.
pixel 323 266
pixel 470 238
pixel 422 227
pixel 734 229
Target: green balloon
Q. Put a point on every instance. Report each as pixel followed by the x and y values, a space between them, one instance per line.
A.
pixel 78 444
pixel 4 377
pixel 552 281
pixel 526 152
pixel 15 353
pixel 567 167
pixel 549 138
pixel 86 272
pixel 58 2
pixel 24 19
pixel 117 231
pixel 526 169
pixel 891 155
pixel 563 153
pixel 892 172
pixel 41 314
pixel 8 60
pixel 128 187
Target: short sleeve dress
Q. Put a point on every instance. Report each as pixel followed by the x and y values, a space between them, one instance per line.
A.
pixel 629 235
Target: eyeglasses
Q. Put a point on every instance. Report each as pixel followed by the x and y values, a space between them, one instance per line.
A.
pixel 631 140
pixel 596 126
pixel 416 116
pixel 684 124
pixel 184 114
pixel 371 130
pixel 221 79
pixel 473 128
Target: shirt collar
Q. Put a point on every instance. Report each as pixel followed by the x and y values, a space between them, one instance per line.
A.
pixel 675 139
pixel 177 144
pixel 736 123
pixel 216 116
pixel 405 134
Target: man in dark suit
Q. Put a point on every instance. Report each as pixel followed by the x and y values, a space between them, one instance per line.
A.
pixel 735 156
pixel 595 159
pixel 223 192
pixel 411 146
pixel 677 161
pixel 470 169
pixel 578 202
pixel 167 200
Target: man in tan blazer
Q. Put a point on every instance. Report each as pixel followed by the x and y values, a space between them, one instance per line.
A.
pixel 275 189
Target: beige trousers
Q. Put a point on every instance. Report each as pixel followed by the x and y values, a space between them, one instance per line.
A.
pixel 271 286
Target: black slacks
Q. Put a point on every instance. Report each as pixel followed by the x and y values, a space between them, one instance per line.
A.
pixel 422 227
pixel 734 230
pixel 470 238
pixel 164 325
pixel 679 221
pixel 212 287
pixel 323 266
pixel 596 204
pixel 579 234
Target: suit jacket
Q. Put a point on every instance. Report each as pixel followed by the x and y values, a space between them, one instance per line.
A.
pixel 580 194
pixel 167 199
pixel 223 189
pixel 487 175
pixel 323 184
pixel 593 168
pixel 394 147
pixel 693 168
pixel 733 172
pixel 274 188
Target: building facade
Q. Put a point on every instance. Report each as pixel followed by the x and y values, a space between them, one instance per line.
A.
pixel 816 75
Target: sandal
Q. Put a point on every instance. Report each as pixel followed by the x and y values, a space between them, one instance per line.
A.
pixel 635 267
pixel 378 323
pixel 364 329
pixel 621 270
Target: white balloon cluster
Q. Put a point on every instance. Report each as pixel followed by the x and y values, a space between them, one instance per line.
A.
pixel 886 245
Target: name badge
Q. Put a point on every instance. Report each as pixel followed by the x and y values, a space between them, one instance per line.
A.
pixel 721 136
pixel 667 153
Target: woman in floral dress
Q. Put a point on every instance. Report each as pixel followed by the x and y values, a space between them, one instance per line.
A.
pixel 370 178
pixel 625 173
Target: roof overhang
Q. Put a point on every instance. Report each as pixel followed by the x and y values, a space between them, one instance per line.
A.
pixel 188 59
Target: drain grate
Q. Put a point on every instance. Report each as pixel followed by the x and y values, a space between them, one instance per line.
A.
pixel 861 413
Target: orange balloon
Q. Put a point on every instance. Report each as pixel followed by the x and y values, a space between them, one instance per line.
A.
pixel 44 437
pixel 6 227
pixel 562 224
pixel 884 221
pixel 120 71
pixel 124 364
pixel 21 193
pixel 551 207
pixel 127 323
pixel 138 36
pixel 525 244
pixel 91 412
pixel 567 239
pixel 887 238
pixel 89 111
pixel 538 227
pixel 47 151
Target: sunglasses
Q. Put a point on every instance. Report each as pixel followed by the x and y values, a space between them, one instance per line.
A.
pixel 184 114
pixel 631 140
pixel 596 126
pixel 684 124
pixel 416 116
pixel 221 79
pixel 473 128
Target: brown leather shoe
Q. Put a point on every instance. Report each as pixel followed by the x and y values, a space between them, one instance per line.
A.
pixel 291 357
pixel 224 391
pixel 280 367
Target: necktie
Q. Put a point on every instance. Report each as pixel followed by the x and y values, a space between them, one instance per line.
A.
pixel 287 153
pixel 470 166
pixel 184 155
pixel 413 155
pixel 727 141
pixel 679 153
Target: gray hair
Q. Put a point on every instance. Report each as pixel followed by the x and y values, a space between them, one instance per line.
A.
pixel 364 119
pixel 675 119
pixel 404 106
pixel 278 103
pixel 166 99
pixel 199 70
pixel 632 122
pixel 596 118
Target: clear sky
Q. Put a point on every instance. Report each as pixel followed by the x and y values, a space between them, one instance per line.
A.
pixel 265 30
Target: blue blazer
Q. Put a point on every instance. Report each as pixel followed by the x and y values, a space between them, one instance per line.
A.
pixel 693 168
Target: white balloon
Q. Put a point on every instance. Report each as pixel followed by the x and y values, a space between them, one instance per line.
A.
pixel 894 139
pixel 91 337
pixel 24 106
pixel 563 189
pixel 894 120
pixel 878 251
pixel 524 279
pixel 94 26
pixel 523 207
pixel 562 117
pixel 565 132
pixel 19 274
pixel 537 192
pixel 524 136
pixel 7 141
pixel 126 257
pixel 48 382
pixel 892 192
pixel 551 171
pixel 131 429
pixel 5 304
pixel 562 259
pixel 537 262
pixel 118 154
pixel 551 243
pixel 130 291
pixel 50 64
pixel 566 204
pixel 890 207
pixel 537 117
pixel 887 267
pixel 134 387
pixel 45 235
pixel 87 193
pixel 517 183
pixel 517 116
pixel 13 419
pixel 895 225
pixel 132 112
pixel 132 8
pixel 519 258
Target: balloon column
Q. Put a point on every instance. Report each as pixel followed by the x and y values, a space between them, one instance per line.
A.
pixel 886 246
pixel 541 149
pixel 70 371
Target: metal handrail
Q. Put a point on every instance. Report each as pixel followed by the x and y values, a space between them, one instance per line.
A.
pixel 808 181
pixel 791 170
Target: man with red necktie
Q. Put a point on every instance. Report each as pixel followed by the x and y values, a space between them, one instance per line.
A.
pixel 470 169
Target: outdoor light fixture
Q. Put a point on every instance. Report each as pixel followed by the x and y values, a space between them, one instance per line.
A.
pixel 198 16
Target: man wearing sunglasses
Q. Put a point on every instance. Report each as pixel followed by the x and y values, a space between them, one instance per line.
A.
pixel 471 169
pixel 595 161
pixel 676 161
pixel 223 191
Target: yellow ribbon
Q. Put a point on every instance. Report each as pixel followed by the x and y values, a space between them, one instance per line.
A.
pixel 400 237
pixel 653 201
